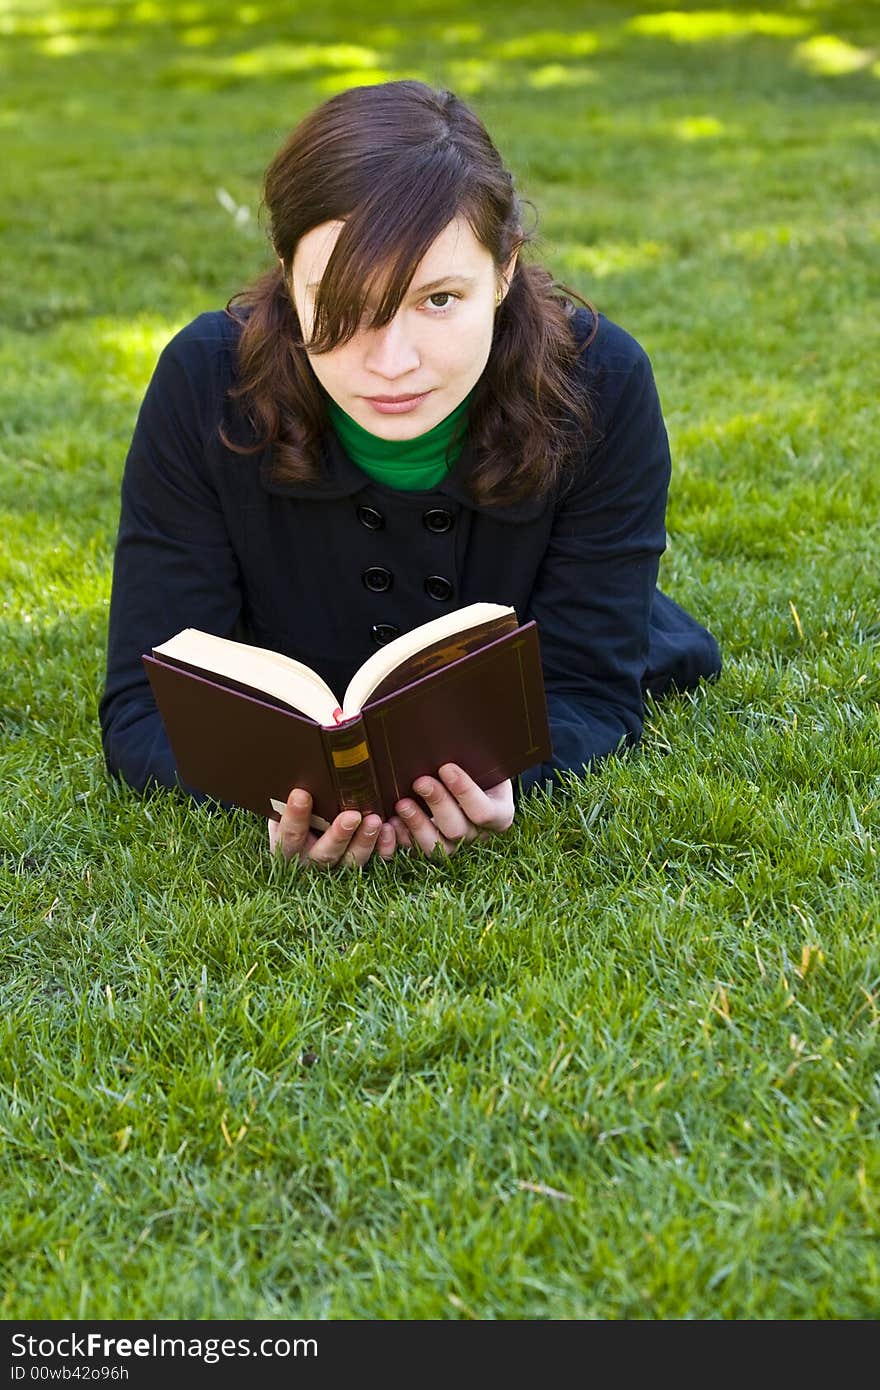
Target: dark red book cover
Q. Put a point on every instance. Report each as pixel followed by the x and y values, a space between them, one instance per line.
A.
pixel 485 711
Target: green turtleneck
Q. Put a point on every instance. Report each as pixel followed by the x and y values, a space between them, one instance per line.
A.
pixel 408 464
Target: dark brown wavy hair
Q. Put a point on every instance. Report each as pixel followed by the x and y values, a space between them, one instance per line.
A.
pixel 398 161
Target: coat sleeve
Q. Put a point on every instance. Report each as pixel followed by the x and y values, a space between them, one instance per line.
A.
pixel 594 591
pixel 174 565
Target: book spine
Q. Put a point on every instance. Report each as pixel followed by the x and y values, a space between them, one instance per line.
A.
pixel 348 756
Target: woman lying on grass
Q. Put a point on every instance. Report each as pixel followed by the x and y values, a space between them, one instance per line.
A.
pixel 397 419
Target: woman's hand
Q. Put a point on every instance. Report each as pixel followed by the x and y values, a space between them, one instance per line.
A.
pixel 349 840
pixel 460 811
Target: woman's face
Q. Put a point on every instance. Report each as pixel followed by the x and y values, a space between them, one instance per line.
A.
pixel 437 343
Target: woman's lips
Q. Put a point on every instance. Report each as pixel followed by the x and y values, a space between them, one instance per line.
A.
pixel 399 406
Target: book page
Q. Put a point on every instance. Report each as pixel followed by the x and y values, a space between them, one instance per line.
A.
pixel 288 680
pixel 382 663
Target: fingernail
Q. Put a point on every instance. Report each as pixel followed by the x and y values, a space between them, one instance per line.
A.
pixel 407 809
pixel 351 820
pixel 423 787
pixel 300 799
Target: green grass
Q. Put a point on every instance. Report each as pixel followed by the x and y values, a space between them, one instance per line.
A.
pixel 621 1062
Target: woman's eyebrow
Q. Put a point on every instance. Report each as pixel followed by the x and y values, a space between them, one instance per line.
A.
pixel 423 289
pixel 444 280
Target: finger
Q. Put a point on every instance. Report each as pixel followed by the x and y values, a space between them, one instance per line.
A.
pixel 492 809
pixel 329 848
pixel 387 841
pixel 276 842
pixel 422 829
pixel 404 839
pixel 363 842
pixel 446 813
pixel 294 828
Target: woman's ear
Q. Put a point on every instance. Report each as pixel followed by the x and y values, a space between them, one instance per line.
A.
pixel 507 276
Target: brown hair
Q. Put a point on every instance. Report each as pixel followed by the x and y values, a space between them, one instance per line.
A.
pixel 398 161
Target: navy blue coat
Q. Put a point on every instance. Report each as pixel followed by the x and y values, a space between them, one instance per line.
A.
pixel 207 540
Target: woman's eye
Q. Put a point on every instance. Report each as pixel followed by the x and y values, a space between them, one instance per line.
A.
pixel 443 294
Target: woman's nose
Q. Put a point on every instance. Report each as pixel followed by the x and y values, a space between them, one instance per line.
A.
pixel 390 350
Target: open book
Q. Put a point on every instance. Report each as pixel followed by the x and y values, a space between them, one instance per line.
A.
pixel 246 724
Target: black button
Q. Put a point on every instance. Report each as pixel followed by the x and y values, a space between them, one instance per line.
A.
pixel 438 520
pixel 384 632
pixel 369 517
pixel 437 587
pixel 378 579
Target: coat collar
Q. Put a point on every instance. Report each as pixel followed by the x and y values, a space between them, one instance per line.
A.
pixel 341 477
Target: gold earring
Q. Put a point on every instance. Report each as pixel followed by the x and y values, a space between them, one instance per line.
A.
pixel 498 298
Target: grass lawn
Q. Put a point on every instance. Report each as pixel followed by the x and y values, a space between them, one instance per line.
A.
pixel 621 1062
